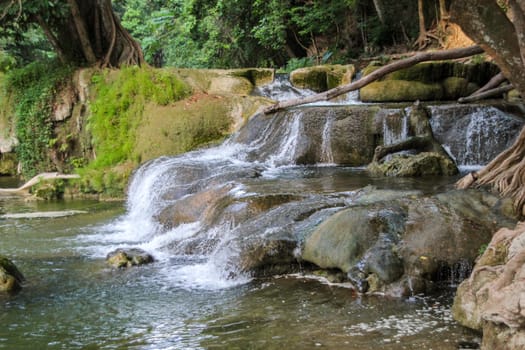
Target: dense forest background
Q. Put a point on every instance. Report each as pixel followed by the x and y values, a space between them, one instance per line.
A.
pixel 236 33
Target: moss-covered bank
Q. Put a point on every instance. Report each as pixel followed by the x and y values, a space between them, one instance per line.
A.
pixel 103 124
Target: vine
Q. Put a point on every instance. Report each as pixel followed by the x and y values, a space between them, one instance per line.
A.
pixel 34 88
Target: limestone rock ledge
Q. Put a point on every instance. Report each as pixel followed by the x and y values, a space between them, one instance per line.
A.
pixel 492 300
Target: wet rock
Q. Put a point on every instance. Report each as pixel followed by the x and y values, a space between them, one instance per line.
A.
pixel 122 258
pixel 402 246
pixel 422 164
pixel 322 78
pixel 491 299
pixel 11 278
pixel 268 258
pixel 8 164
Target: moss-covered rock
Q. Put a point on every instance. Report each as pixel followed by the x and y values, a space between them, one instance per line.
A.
pixel 422 164
pixel 8 164
pixel 11 278
pixel 122 258
pixel 256 76
pixel 322 78
pixel 428 81
pixel 401 90
pixel 221 81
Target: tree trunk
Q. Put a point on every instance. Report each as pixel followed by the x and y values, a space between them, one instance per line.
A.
pixel 389 68
pixel 82 32
pixel 422 40
pixel 486 23
pixel 378 5
pixel 92 34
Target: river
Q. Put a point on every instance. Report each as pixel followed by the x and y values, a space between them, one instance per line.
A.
pixel 192 297
pixel 73 300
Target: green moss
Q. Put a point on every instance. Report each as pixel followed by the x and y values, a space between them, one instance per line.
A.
pixel 400 90
pixel 117 110
pixel 118 106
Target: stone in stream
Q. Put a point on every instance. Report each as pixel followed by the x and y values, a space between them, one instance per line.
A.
pixel 11 278
pixel 121 258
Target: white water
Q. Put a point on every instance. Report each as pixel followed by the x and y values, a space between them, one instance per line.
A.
pixel 326 146
pixel 166 181
pixel 281 90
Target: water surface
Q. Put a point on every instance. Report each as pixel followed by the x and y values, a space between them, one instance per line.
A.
pixel 73 300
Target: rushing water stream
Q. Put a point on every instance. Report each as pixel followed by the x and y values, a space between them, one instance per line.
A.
pixel 72 300
pixel 195 296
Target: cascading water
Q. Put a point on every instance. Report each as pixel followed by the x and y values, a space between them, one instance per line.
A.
pixel 200 212
pixel 326 146
pixel 281 89
pixel 473 134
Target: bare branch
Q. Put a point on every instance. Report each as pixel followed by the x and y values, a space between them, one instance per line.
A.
pixel 486 94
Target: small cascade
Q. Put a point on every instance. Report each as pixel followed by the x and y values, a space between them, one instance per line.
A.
pixel 395 128
pixel 481 135
pixel 288 143
pixel 326 146
pixel 452 276
pixel 281 89
pixel 473 135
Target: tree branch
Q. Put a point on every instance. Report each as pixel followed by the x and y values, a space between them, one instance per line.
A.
pixel 379 73
pixel 485 94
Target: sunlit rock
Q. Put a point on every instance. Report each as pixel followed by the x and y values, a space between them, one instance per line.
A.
pixel 122 258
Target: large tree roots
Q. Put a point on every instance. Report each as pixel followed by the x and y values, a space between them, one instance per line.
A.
pixel 505 174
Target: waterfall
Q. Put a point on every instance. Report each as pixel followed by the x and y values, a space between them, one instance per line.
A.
pixel 281 89
pixel 395 128
pixel 199 212
pixel 288 144
pixel 475 134
pixel 326 146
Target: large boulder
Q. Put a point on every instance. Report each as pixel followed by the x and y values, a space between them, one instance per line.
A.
pixel 221 82
pixel 322 78
pixel 492 299
pixel 401 246
pixel 11 278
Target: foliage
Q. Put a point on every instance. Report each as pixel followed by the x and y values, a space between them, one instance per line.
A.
pixel 117 110
pixel 21 36
pixel 34 87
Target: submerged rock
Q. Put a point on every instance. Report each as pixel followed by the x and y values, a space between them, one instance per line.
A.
pixel 128 257
pixel 11 278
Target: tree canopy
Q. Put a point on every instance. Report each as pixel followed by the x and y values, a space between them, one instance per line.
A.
pixel 81 32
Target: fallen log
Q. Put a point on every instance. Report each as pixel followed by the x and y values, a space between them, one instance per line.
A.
pixel 24 189
pixel 375 75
